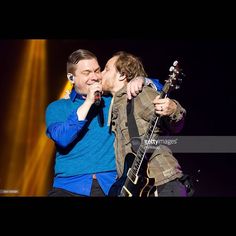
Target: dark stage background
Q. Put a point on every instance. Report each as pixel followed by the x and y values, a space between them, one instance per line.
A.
pixel 208 93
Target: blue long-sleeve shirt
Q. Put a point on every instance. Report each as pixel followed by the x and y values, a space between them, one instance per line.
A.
pixel 83 147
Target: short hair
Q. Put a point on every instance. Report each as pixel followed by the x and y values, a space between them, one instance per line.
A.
pixel 129 65
pixel 77 56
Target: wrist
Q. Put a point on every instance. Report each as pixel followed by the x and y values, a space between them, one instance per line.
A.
pixel 88 102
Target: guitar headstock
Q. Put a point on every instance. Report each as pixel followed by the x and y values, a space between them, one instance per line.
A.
pixel 175 78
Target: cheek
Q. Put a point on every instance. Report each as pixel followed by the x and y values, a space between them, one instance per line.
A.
pixel 108 79
pixel 81 85
pixel 106 82
pixel 105 78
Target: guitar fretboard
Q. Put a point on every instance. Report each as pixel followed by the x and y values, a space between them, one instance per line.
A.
pixel 145 142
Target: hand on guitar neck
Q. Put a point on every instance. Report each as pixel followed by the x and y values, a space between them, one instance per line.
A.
pixel 164 106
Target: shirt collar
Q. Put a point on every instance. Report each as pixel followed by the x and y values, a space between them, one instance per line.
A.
pixel 74 95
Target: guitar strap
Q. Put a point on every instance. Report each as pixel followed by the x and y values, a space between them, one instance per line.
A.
pixel 100 115
pixel 133 131
pixel 132 126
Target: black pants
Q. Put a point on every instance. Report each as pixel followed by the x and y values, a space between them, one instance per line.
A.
pixel 96 191
pixel 173 188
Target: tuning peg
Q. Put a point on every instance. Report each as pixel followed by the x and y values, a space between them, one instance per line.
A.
pixel 171 68
pixel 175 63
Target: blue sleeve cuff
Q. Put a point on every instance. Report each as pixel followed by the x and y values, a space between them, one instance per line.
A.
pixel 63 133
pixel 73 120
pixel 155 83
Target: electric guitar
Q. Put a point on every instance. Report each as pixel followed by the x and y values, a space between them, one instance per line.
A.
pixel 134 180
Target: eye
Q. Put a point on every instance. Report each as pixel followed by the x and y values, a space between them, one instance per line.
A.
pixel 86 73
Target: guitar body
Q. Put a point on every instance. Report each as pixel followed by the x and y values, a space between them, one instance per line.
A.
pixel 131 186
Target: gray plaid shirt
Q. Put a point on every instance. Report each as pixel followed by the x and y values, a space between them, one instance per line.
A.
pixel 162 165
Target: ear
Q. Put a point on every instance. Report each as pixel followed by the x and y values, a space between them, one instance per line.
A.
pixel 70 77
pixel 121 77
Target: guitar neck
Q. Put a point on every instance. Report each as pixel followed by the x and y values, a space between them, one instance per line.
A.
pixel 146 140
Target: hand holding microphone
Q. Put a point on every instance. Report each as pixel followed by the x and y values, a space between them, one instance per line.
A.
pixel 95 93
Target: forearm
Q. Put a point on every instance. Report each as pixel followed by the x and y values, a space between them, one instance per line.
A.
pixel 64 133
pixel 135 86
pixel 83 110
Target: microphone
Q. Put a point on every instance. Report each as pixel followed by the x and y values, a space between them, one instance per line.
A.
pixel 97 97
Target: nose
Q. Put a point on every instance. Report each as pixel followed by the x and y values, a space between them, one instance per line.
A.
pixel 96 76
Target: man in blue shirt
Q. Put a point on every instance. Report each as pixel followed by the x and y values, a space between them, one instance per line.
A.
pixel 85 159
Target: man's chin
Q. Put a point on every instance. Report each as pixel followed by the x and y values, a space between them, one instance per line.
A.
pixel 105 92
pixel 104 89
